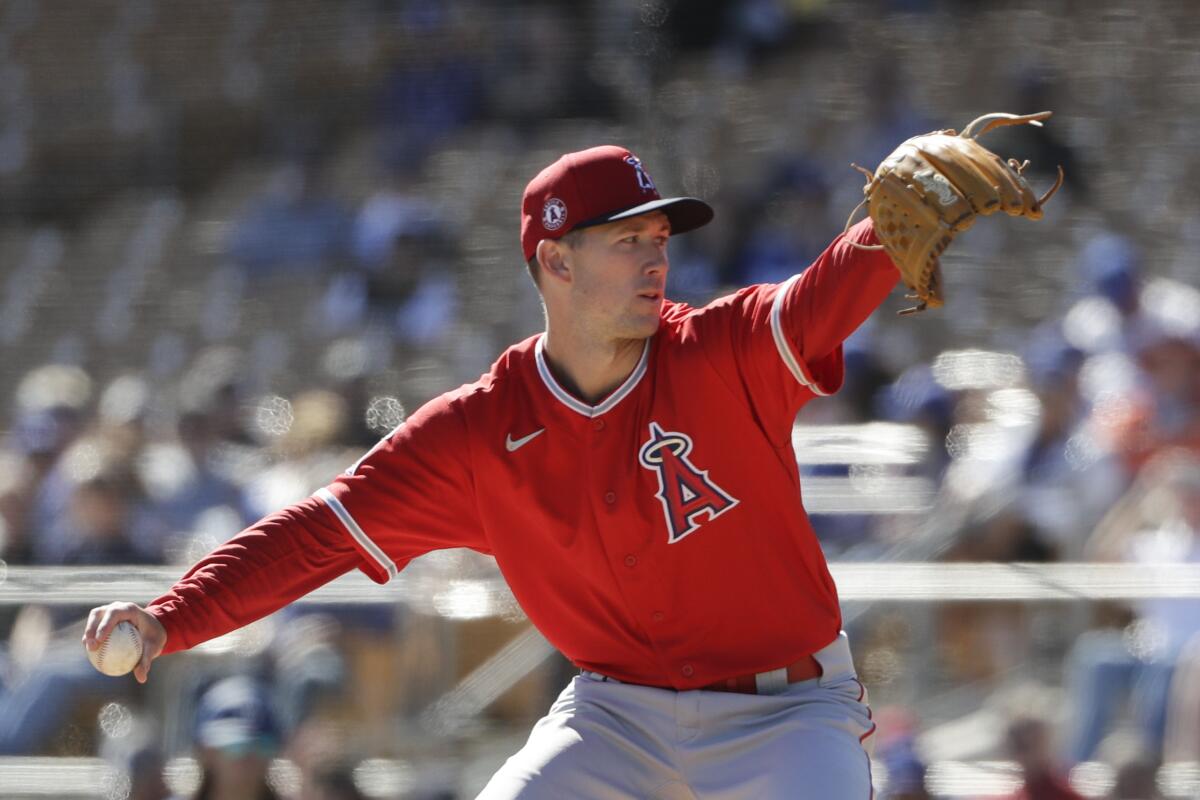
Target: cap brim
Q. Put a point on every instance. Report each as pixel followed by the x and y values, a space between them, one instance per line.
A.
pixel 684 213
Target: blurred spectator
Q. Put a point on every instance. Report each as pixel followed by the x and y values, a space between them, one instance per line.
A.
pixel 555 66
pixel 391 213
pixel 1164 411
pixel 1156 522
pixel 1182 742
pixel 122 412
pixel 353 367
pixel 310 673
pixel 1136 778
pixel 1028 743
pixel 215 385
pixel 760 27
pixel 142 763
pixel 890 113
pixel 407 276
pixel 33 448
pixel 743 34
pixel 333 783
pixel 1005 537
pixel 105 518
pixel 1104 321
pixel 293 225
pixel 59 388
pixel 896 751
pixel 318 750
pixel 436 84
pixel 786 224
pixel 866 375
pixel 1065 479
pixel 917 398
pixel 981 640
pixel 51 411
pixel 1110 267
pixel 236 737
pixel 906 775
pixel 1039 89
pixel 185 492
pixel 310 449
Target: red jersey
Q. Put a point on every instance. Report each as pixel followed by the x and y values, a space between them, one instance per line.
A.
pixel 658 536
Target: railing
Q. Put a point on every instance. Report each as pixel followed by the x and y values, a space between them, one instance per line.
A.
pixel 79 778
pixel 470 598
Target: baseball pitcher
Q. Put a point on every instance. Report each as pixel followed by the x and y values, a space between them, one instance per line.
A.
pixel 631 471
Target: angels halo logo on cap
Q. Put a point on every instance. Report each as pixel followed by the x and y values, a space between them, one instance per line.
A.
pixel 554 214
pixel 645 182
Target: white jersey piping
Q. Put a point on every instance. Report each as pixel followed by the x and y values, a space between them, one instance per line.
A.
pixel 375 551
pixel 578 406
pixel 784 346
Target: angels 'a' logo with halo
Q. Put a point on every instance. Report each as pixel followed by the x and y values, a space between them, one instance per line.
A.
pixel 686 493
pixel 645 182
pixel 554 214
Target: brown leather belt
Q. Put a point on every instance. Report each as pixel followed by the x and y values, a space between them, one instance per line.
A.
pixel 805 669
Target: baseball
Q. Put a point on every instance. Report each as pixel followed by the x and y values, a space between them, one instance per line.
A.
pixel 120 652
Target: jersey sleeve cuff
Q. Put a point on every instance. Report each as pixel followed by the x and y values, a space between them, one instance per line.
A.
pixel 167 615
pixel 822 378
pixel 375 564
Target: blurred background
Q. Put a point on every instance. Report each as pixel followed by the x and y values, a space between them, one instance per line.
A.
pixel 239 239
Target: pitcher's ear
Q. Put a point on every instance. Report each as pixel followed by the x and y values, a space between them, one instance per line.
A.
pixel 553 260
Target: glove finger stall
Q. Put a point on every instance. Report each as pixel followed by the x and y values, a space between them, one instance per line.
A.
pixel 913 234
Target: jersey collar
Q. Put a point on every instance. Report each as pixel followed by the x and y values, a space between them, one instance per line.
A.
pixel 577 405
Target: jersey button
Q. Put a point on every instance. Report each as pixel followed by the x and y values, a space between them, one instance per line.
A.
pixel 658 616
pixel 687 670
pixel 631 561
pixel 610 497
pixel 598 425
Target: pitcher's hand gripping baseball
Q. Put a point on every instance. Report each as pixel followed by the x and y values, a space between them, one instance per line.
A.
pixel 103 621
pixel 933 187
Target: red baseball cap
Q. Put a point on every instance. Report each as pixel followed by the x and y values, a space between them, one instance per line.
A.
pixel 595 186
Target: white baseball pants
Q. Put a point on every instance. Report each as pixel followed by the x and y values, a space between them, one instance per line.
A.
pixel 605 740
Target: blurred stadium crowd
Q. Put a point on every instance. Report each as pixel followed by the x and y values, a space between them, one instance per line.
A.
pixel 240 238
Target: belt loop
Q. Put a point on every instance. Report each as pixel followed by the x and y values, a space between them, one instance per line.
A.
pixel 773 682
pixel 597 676
pixel 836 660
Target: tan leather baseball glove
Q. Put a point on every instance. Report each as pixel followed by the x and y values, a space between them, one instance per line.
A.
pixel 933 187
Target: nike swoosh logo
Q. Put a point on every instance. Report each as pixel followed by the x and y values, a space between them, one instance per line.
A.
pixel 514 445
